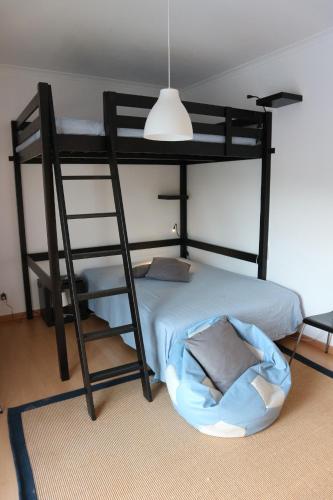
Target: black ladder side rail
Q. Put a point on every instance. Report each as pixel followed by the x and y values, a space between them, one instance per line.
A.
pixel 21 223
pixel 40 104
pixel 44 91
pixel 69 264
pixel 110 126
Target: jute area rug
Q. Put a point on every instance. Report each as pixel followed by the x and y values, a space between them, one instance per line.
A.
pixel 137 450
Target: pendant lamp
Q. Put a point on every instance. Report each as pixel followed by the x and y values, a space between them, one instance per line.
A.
pixel 168 119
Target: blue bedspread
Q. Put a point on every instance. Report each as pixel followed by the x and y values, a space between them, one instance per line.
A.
pixel 167 308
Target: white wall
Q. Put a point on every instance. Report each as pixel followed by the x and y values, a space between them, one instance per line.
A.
pixel 300 236
pixel 224 198
pixel 147 218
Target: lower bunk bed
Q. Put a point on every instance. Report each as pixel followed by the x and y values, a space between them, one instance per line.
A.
pixel 167 308
pixel 172 314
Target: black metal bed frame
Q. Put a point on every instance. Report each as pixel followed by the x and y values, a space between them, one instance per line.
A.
pixel 84 149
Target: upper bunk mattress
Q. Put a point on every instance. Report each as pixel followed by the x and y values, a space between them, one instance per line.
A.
pixel 87 127
pixel 167 308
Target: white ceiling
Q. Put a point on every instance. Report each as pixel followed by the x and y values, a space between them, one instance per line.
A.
pixel 126 39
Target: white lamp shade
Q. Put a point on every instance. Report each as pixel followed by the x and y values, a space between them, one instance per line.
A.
pixel 168 119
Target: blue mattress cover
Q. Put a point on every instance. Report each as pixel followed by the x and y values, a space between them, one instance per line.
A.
pixel 167 308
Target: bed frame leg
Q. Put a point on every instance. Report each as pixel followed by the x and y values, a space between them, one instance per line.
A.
pixel 183 209
pixel 265 196
pixel 45 96
pixel 21 225
pixel 301 331
pixel 328 342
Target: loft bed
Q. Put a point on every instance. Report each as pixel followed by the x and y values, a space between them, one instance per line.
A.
pixel 39 138
pixel 237 134
pixel 168 308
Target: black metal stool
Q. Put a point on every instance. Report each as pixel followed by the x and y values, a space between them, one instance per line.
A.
pixel 321 321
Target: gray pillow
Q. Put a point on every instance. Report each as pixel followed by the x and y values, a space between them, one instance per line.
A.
pixel 140 270
pixel 221 353
pixel 167 269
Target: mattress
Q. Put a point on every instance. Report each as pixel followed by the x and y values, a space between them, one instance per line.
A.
pixel 88 127
pixel 167 308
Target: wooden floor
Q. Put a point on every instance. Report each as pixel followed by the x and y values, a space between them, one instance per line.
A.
pixel 29 371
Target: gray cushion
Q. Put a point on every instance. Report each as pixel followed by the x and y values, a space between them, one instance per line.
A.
pixel 221 353
pixel 167 269
pixel 140 270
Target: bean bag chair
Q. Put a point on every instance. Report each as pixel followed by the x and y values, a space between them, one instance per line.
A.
pixel 252 403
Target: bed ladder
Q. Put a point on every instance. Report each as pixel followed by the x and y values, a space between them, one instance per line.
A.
pixel 140 366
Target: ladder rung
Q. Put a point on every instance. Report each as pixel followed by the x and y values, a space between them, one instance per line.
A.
pixel 92 254
pixel 102 293
pixel 92 215
pixel 84 177
pixel 109 332
pixel 113 372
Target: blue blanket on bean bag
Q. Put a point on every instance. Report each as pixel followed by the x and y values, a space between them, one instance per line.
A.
pixel 251 404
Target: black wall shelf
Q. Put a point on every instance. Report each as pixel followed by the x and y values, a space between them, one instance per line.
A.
pixel 171 197
pixel 278 100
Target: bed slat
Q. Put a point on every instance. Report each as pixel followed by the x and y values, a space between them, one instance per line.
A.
pixel 31 151
pixel 30 129
pixel 146 102
pixel 229 252
pixel 28 110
